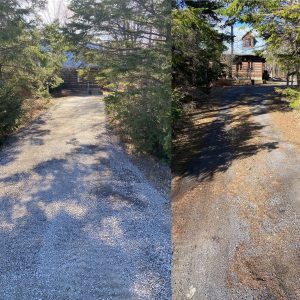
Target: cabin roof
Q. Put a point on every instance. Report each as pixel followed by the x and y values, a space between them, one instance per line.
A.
pixel 247 33
pixel 240 32
pixel 249 57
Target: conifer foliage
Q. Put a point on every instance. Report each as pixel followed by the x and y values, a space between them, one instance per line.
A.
pixel 129 42
pixel 31 56
pixel 197 46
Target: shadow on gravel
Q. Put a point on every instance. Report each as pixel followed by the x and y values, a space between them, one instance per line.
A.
pixel 34 133
pixel 221 130
pixel 56 241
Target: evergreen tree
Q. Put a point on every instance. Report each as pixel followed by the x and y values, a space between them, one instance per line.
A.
pixel 197 45
pixel 130 43
pixel 31 53
pixel 31 56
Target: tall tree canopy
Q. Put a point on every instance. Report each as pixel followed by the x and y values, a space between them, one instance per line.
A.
pixel 197 45
pixel 31 55
pixel 129 41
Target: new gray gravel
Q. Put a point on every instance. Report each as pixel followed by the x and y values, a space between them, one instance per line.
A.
pixel 77 219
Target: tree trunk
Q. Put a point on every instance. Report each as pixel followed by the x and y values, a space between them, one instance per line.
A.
pixel 298 75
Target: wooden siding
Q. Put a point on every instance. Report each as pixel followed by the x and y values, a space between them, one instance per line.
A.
pixel 248 37
pixel 75 83
pixel 249 70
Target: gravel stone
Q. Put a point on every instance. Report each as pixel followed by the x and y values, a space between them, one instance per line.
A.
pixel 77 219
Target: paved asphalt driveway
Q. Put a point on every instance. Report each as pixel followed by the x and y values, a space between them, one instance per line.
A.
pixel 77 218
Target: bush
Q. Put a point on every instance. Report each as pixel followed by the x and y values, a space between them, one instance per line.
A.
pixel 292 95
pixel 144 116
pixel 177 107
pixel 10 109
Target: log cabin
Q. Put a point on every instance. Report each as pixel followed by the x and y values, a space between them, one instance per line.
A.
pixel 75 83
pixel 244 62
pixel 248 65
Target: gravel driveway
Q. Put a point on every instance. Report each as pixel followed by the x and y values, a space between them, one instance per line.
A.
pixel 77 219
pixel 236 229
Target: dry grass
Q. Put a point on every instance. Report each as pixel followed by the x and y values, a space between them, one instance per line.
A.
pixel 288 124
pixel 32 109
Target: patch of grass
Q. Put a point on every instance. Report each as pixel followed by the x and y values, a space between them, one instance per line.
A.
pixel 292 95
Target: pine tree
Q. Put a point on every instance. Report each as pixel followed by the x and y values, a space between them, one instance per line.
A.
pixel 197 45
pixel 31 56
pixel 31 53
pixel 130 43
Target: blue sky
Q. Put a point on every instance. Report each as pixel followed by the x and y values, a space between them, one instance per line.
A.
pixel 239 31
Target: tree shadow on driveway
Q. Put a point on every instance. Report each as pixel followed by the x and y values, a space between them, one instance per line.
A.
pixel 35 133
pixel 221 131
pixel 83 226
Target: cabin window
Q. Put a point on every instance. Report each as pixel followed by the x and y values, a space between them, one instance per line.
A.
pixel 248 42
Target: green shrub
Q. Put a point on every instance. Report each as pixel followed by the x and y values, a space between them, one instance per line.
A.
pixel 292 95
pixel 10 109
pixel 295 104
pixel 144 115
pixel 177 108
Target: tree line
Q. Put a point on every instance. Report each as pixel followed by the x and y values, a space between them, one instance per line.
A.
pixel 31 55
pixel 130 43
pixel 198 40
pixel 149 53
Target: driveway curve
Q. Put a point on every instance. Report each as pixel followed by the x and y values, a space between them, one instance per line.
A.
pixel 77 219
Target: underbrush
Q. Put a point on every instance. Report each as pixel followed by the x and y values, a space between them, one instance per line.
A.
pixel 292 95
pixel 143 117
pixel 10 109
pixel 32 108
pixel 16 112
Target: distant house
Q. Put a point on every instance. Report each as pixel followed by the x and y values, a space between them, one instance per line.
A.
pixel 73 82
pixel 248 40
pixel 248 65
pixel 242 58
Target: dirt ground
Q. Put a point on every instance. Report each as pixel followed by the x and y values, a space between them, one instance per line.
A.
pixel 288 124
pixel 236 199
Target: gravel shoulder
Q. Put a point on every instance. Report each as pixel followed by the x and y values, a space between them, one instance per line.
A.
pixel 236 229
pixel 78 220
